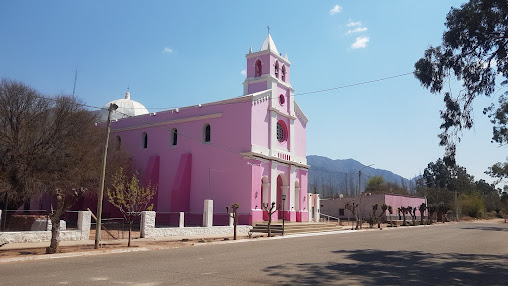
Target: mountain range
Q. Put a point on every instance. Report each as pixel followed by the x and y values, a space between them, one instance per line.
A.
pixel 333 177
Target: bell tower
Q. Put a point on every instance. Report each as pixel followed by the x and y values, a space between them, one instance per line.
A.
pixel 266 68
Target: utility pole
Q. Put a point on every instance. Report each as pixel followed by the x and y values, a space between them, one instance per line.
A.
pixel 359 190
pixel 112 107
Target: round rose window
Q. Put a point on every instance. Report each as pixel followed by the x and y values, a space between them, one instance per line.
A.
pixel 281 99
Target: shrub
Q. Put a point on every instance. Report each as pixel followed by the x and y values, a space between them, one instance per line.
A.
pixel 471 205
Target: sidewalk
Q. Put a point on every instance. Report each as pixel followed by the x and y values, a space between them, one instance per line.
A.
pixel 121 242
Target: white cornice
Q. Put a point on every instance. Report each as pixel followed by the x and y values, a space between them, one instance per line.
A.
pixel 278 160
pixel 181 120
pixel 300 114
pixel 261 53
pixel 267 77
pixel 281 113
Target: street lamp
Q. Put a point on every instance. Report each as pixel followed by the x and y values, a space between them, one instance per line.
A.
pixel 283 217
pixel 111 108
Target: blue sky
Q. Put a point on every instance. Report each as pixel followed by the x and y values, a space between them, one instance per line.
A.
pixel 180 53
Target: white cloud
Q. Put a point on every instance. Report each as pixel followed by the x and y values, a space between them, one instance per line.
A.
pixel 243 72
pixel 167 50
pixel 352 24
pixel 336 9
pixel 357 30
pixel 361 42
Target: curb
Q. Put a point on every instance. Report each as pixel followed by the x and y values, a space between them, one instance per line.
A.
pixel 71 254
pixel 307 235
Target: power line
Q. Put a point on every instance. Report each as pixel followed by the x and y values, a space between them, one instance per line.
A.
pixel 311 92
pixel 299 94
pixel 354 84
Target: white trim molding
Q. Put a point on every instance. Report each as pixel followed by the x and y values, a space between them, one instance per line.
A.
pixel 181 120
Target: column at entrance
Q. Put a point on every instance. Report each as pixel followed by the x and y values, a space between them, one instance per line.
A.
pixel 285 203
pixel 293 197
pixel 265 196
pixel 273 189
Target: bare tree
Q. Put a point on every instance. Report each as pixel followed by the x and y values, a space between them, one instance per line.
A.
pixel 234 216
pixel 47 145
pixel 270 211
pixel 64 202
pixel 354 210
pixel 384 207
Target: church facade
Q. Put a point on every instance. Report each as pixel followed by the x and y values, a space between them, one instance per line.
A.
pixel 249 150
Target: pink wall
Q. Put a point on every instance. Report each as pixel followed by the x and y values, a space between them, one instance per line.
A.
pixel 260 124
pixel 303 189
pixel 258 86
pixel 222 172
pixel 301 142
pixel 402 201
pixel 286 106
pixel 265 60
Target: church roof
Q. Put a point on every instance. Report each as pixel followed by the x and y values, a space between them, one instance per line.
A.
pixel 269 45
pixel 126 108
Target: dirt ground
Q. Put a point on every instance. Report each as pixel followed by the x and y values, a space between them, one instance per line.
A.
pixel 144 243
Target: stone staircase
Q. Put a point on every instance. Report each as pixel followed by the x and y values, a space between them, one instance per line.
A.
pixel 295 227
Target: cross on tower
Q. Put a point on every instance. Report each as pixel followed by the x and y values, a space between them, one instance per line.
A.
pixel 268 29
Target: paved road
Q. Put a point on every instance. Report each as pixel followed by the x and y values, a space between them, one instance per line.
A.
pixel 451 254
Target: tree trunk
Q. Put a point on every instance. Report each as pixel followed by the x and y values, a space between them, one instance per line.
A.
pixel 130 229
pixel 269 223
pixel 234 229
pixel 55 235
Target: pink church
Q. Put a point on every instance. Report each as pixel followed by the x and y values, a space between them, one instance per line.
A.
pixel 248 150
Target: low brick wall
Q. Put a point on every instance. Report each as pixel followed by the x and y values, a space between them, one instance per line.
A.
pixel 148 228
pixel 83 232
pixel 188 231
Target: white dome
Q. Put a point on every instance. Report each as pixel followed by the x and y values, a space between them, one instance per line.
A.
pixel 126 108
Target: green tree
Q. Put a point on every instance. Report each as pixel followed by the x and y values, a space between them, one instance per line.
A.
pixel 375 185
pixel 490 196
pixel 378 185
pixel 130 197
pixel 504 205
pixel 471 205
pixel 474 52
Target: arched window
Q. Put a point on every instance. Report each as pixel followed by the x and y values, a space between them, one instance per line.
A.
pixel 277 69
pixel 283 73
pixel 174 137
pixel 145 140
pixel 207 133
pixel 258 68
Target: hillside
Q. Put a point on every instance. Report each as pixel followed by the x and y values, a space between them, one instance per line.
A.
pixel 333 177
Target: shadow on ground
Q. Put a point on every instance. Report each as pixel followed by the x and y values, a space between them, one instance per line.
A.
pixel 375 267
pixel 491 228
